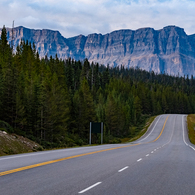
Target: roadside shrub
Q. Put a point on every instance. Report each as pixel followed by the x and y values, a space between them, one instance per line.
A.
pixel 6 127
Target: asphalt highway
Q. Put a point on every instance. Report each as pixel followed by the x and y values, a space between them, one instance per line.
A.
pixel 162 162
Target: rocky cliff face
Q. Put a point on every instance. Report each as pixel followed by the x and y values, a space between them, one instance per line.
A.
pixel 168 50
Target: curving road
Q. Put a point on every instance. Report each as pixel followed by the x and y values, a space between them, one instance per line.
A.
pixel 161 162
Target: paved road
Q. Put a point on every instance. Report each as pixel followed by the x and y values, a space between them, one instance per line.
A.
pixel 161 162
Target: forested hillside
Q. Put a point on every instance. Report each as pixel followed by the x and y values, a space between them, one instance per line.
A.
pixel 52 101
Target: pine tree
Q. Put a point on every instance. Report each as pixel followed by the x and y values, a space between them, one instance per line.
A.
pixel 8 79
pixel 85 70
pixel 105 78
pixel 138 109
pixel 100 107
pixel 111 115
pixel 164 104
pixel 83 102
pixel 58 114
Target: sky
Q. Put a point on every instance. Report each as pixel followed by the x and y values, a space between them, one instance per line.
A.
pixel 75 17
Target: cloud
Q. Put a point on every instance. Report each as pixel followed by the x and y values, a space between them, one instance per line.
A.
pixel 73 17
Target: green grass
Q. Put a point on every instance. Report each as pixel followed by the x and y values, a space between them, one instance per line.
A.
pixel 191 127
pixel 145 128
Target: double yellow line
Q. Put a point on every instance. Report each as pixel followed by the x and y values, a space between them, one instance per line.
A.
pixel 71 157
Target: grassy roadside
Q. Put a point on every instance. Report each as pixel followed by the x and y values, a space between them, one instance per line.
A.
pixel 148 122
pixel 15 144
pixel 145 128
pixel 191 127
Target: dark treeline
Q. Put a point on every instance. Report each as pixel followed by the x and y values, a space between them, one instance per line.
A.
pixel 52 101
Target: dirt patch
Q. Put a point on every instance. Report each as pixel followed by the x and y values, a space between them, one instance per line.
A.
pixel 15 144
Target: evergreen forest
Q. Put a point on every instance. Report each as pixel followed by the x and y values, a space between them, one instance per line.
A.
pixel 52 100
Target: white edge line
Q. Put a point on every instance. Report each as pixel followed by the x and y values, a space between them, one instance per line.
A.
pixel 139 160
pixel 123 169
pixel 184 135
pixel 191 147
pixel 35 154
pixel 89 187
pixel 152 129
pixel 41 153
pixel 147 154
pixel 183 132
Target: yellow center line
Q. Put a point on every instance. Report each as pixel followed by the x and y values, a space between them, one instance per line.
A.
pixel 162 129
pixel 75 156
pixel 160 132
pixel 58 160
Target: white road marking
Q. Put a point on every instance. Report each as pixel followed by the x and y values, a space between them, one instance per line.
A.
pixel 147 154
pixel 184 136
pixel 152 152
pixel 25 155
pixel 154 149
pixel 152 129
pixel 191 147
pixel 44 152
pixel 171 135
pixel 123 169
pixel 40 153
pixel 139 160
pixel 183 133
pixel 89 187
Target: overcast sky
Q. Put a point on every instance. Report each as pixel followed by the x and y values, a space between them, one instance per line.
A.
pixel 74 17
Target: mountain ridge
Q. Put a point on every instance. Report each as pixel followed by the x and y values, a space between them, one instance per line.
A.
pixel 168 50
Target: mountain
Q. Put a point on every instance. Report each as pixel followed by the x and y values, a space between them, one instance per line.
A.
pixel 168 50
